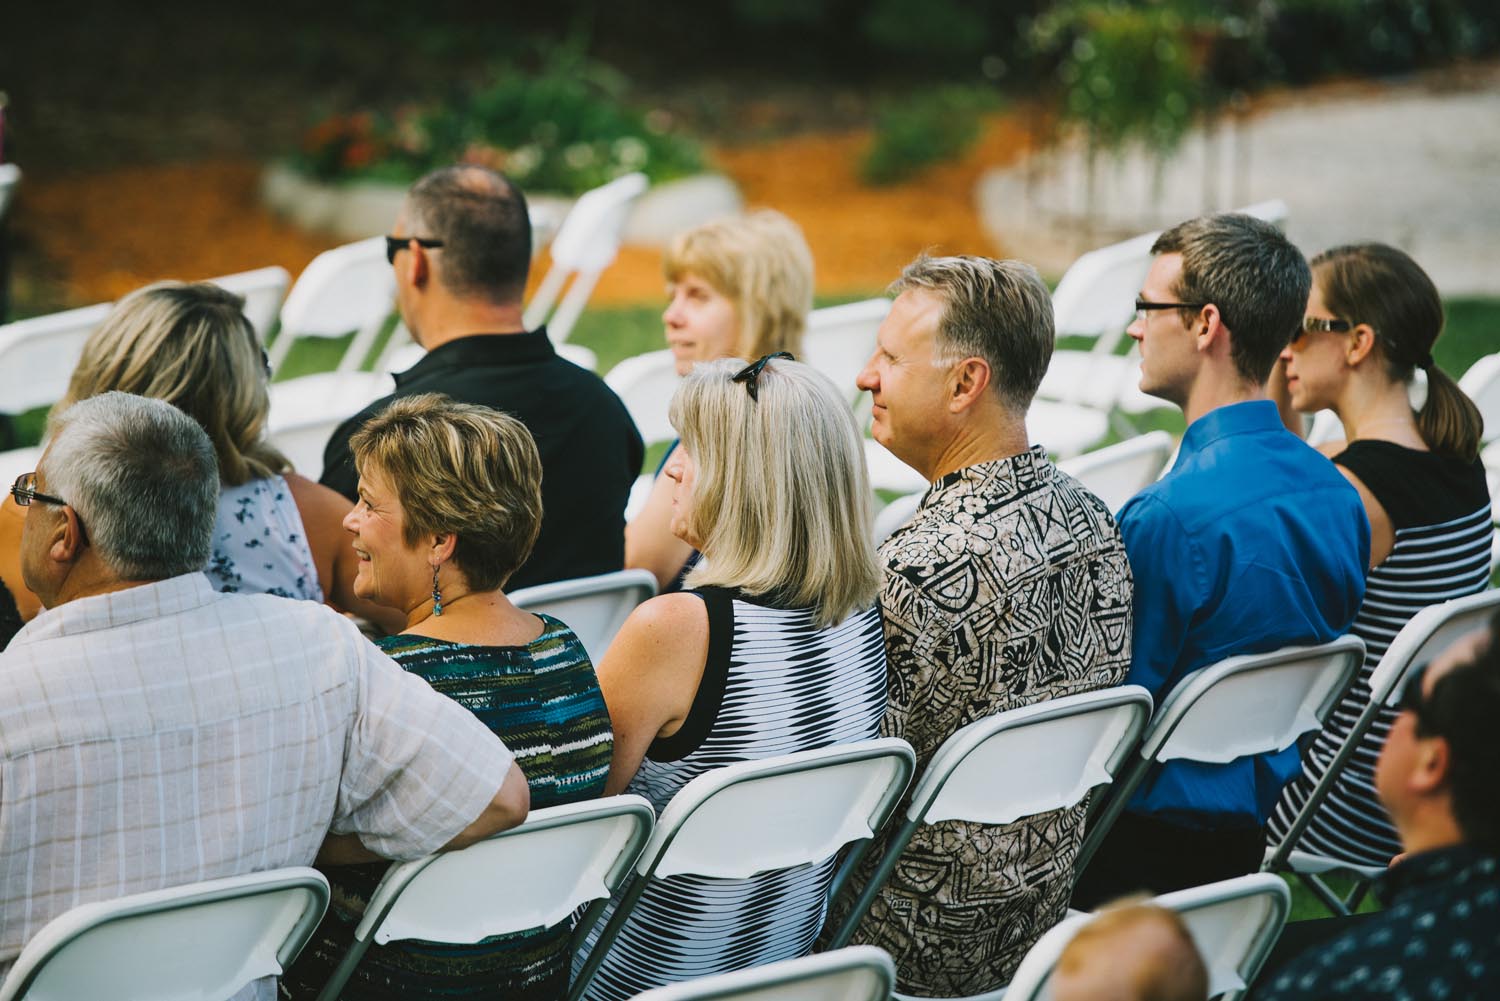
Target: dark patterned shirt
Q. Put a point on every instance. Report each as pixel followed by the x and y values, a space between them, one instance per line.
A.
pixel 1008 587
pixel 1437 940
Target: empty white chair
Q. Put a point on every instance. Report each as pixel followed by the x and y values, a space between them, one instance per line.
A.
pixel 858 973
pixel 1118 472
pixel 38 355
pixel 645 385
pixel 10 179
pixel 562 859
pixel 188 943
pixel 593 607
pixel 306 411
pixel 1234 924
pixel 263 290
pixel 585 245
pixel 1424 636
pixel 348 288
pixel 757 816
pixel 1482 383
pixel 1251 704
pixel 841 339
pixel 1015 764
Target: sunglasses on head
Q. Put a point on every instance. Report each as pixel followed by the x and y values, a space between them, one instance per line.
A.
pixel 751 372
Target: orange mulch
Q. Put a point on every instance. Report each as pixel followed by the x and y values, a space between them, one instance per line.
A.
pixel 99 234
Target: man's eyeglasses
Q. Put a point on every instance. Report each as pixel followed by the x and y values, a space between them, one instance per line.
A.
pixel 1142 307
pixel 24 491
pixel 750 373
pixel 395 244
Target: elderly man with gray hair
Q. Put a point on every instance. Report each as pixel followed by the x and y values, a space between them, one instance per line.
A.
pixel 1008 587
pixel 156 732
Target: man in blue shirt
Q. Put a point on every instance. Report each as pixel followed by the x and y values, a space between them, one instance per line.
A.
pixel 1252 542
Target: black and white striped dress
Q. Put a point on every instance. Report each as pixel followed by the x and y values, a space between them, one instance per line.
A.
pixel 773 683
pixel 1440 509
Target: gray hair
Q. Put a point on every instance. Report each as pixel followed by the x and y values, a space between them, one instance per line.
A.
pixel 1255 276
pixel 143 478
pixel 1000 311
pixel 482 219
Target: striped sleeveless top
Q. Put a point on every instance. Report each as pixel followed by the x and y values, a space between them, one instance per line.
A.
pixel 1440 509
pixel 773 683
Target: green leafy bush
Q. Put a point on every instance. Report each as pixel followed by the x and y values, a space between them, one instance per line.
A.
pixel 928 127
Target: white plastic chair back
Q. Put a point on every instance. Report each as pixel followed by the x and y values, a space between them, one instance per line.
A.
pixel 38 355
pixel 593 607
pixel 1326 427
pixel 10 179
pixel 187 943
pixel 347 288
pixel 1234 924
pixel 841 339
pixel 858 973
pixel 1118 472
pixel 1065 429
pixel 534 876
pixel 263 290
pixel 1482 384
pixel 1096 295
pixel 895 514
pixel 16 461
pixel 645 384
pixel 585 245
pixel 306 411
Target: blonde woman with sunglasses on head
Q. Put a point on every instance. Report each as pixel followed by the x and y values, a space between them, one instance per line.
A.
pixel 1372 319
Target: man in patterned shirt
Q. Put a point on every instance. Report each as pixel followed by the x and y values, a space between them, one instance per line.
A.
pixel 155 732
pixel 1439 935
pixel 1009 586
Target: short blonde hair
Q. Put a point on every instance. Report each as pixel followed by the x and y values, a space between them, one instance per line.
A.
pixel 461 469
pixel 761 263
pixel 190 345
pixel 781 501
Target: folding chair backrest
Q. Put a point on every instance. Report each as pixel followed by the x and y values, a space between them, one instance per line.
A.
pixel 263 290
pixel 895 514
pixel 1118 472
pixel 593 607
pixel 1482 384
pixel 307 410
pixel 1096 296
pixel 585 245
pixel 188 943
pixel 1427 634
pixel 1234 924
pixel 348 288
pixel 10 179
pixel 858 973
pixel 841 339
pixel 645 384
pixel 38 355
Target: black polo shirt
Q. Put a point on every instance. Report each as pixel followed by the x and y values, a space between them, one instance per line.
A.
pixel 591 451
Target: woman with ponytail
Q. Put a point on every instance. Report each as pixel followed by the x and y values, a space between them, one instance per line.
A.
pixel 1372 319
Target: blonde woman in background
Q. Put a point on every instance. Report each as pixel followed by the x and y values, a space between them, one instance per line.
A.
pixel 191 345
pixel 738 287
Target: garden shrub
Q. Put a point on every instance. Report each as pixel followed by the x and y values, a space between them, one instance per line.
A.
pixel 928 127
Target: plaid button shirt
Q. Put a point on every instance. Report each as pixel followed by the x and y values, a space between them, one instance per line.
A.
pixel 167 734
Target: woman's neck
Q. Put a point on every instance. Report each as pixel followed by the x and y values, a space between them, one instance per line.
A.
pixel 1378 412
pixel 481 617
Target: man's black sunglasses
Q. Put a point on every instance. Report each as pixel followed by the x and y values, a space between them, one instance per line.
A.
pixel 750 373
pixel 395 244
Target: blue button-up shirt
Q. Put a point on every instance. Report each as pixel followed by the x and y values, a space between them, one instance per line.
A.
pixel 1252 542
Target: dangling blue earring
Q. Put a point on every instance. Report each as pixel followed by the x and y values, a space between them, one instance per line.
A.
pixel 437 594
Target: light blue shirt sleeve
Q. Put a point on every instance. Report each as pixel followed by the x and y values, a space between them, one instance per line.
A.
pixel 1170 588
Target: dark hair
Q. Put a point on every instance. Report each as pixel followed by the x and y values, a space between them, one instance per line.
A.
pixel 1383 287
pixel 1255 276
pixel 1462 709
pixel 481 218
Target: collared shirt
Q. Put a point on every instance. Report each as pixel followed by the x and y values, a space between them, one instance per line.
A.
pixel 167 734
pixel 590 449
pixel 1252 542
pixel 1438 938
pixel 1008 587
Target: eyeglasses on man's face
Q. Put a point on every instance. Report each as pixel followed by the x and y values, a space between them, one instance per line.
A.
pixel 751 372
pixel 24 491
pixel 395 244
pixel 1143 308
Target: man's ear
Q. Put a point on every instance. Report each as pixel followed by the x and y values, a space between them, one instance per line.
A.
pixel 1429 772
pixel 68 538
pixel 1209 330
pixel 418 266
pixel 968 381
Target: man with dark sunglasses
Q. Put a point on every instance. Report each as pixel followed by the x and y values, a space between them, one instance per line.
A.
pixel 1439 934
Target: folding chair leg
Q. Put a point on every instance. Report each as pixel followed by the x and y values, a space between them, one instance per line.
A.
pixel 344 970
pixel 1357 894
pixel 877 879
pixel 1325 894
pixel 607 936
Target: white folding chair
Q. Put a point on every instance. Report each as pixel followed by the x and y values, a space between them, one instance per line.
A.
pixel 1015 764
pixel 1254 704
pixel 1234 924
pixel 1482 383
pixel 1118 472
pixel 15 461
pixel 348 288
pixel 895 514
pixel 758 816
pixel 858 973
pixel 307 410
pixel 841 339
pixel 38 355
pixel 562 859
pixel 10 179
pixel 1424 636
pixel 645 384
pixel 585 245
pixel 187 943
pixel 263 291
pixel 593 607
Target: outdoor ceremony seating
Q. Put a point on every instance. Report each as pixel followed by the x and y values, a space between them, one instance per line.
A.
pixel 264 290
pixel 593 607
pixel 858 973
